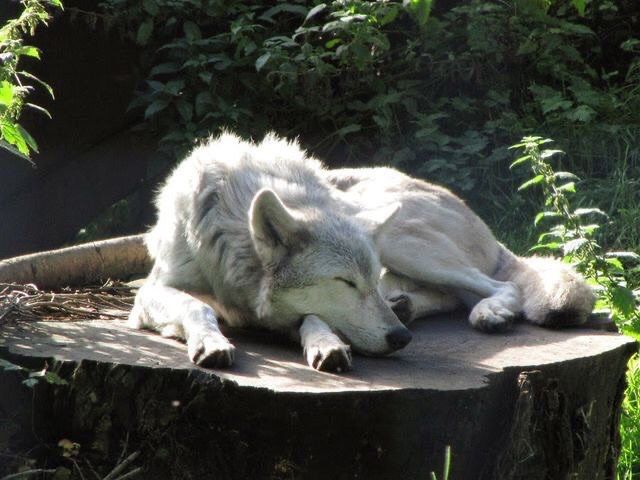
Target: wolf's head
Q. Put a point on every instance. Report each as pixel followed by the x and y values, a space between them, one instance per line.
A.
pixel 320 263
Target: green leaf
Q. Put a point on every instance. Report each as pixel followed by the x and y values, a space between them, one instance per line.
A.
pixel 315 11
pixel 565 176
pixel 582 113
pixel 185 109
pixel 588 211
pixel 155 107
pixel 542 215
pixel 419 10
pixel 192 31
pixel 262 60
pixel 580 6
pixel 54 379
pixel 284 7
pixel 28 51
pixel 332 43
pixel 549 153
pixel 7 96
pixel 11 134
pixel 567 187
pixel 174 87
pixel 589 229
pixel 629 256
pixel 204 101
pixel 623 301
pixel 39 109
pixel 546 246
pixel 28 138
pixel 533 181
pixel 572 246
pixel 520 160
pixel 10 148
pixel 36 79
pixel 163 68
pixel 144 32
pixel 390 16
pixel 352 128
pixel 151 7
pixel 615 264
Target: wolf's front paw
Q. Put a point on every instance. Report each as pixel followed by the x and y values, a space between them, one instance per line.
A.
pixel 211 351
pixel 490 316
pixel 329 355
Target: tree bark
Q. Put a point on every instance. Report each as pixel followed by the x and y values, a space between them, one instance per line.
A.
pixel 532 404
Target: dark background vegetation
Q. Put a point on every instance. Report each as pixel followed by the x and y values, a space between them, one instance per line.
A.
pixel 439 90
pixel 360 83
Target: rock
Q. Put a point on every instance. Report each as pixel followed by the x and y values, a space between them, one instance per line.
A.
pixel 530 404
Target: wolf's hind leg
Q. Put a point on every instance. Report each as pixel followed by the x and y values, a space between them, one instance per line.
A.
pixel 499 302
pixel 323 349
pixel 410 300
pixel 174 313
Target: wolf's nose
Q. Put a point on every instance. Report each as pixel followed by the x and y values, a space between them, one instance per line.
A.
pixel 398 338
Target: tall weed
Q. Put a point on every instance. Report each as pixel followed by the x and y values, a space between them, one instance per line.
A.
pixel 571 233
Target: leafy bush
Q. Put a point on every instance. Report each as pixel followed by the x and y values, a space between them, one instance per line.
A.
pixel 434 92
pixel 13 136
pixel 256 67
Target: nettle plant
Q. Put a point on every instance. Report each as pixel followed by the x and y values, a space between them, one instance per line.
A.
pixel 13 89
pixel 572 234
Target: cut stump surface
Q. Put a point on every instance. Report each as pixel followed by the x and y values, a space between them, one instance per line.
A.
pixel 530 404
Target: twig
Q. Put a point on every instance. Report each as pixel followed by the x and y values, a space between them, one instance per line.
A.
pixel 93 470
pixel 131 474
pixel 27 473
pixel 26 302
pixel 122 466
pixel 124 449
pixel 78 469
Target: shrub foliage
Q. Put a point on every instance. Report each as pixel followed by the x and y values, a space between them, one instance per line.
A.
pixel 14 82
pixel 437 90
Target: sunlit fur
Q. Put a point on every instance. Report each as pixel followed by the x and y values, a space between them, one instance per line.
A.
pixel 440 254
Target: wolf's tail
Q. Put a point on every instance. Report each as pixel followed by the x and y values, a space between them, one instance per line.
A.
pixel 553 293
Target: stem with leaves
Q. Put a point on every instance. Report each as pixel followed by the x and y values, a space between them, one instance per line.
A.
pixel 13 90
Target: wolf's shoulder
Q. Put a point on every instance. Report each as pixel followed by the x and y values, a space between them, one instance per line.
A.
pixel 228 155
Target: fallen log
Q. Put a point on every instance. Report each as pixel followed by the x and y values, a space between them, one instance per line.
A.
pixel 88 263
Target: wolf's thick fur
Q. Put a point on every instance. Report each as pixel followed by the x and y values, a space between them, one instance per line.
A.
pixel 275 241
pixel 259 230
pixel 439 253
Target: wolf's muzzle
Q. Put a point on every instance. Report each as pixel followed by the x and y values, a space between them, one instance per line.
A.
pixel 398 338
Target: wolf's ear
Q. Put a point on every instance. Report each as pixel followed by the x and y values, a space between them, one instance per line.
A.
pixel 274 230
pixel 374 220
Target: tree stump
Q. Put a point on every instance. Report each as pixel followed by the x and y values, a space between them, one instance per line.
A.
pixel 530 404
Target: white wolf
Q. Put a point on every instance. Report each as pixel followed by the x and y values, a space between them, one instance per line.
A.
pixel 440 254
pixel 259 229
pixel 283 244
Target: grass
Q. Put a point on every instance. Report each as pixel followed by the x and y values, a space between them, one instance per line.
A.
pixel 629 461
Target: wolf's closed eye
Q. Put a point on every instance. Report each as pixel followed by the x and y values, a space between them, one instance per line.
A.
pixel 348 282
